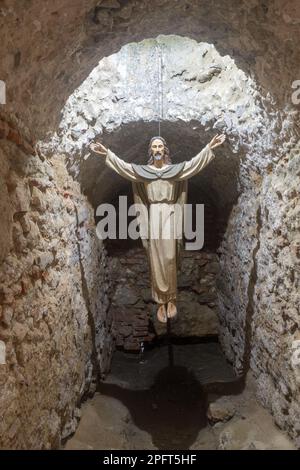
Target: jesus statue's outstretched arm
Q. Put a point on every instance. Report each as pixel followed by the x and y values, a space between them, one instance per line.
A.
pixel 120 166
pixel 197 164
pixel 115 163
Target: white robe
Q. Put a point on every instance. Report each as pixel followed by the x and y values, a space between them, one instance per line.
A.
pixel 162 196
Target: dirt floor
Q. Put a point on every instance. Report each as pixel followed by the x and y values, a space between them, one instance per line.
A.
pixel 184 397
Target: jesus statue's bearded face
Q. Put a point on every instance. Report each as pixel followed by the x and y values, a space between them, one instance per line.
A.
pixel 157 150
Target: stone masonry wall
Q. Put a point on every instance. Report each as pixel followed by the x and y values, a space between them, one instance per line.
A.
pixel 135 313
pixel 234 283
pixel 259 289
pixel 54 297
pixel 275 357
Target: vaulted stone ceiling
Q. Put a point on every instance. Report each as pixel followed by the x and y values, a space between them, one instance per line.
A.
pixel 122 100
pixel 49 48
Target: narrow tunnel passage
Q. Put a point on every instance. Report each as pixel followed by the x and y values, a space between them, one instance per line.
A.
pixel 76 312
pixel 183 376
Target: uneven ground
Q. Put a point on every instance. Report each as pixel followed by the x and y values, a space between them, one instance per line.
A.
pixel 196 404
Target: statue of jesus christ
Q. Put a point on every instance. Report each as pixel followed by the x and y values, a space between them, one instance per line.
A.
pixel 161 185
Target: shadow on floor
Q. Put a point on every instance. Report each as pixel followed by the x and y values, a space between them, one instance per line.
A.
pixel 172 410
pixel 170 402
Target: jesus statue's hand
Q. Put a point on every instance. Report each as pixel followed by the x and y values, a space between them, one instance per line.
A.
pixel 99 148
pixel 216 141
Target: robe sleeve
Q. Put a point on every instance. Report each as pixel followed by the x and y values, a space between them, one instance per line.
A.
pixel 121 167
pixel 196 164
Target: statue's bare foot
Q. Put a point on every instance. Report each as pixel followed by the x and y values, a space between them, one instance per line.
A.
pixel 172 310
pixel 162 313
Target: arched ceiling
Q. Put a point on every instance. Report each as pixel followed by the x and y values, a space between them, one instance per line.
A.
pixel 49 48
pixel 202 93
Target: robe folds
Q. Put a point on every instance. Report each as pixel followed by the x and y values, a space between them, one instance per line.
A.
pixel 160 195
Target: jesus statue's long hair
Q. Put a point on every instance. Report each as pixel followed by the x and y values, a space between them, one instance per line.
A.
pixel 166 157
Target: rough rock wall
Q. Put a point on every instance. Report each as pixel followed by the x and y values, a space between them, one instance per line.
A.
pixel 259 290
pixel 275 357
pixel 235 283
pixel 135 313
pixel 53 299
